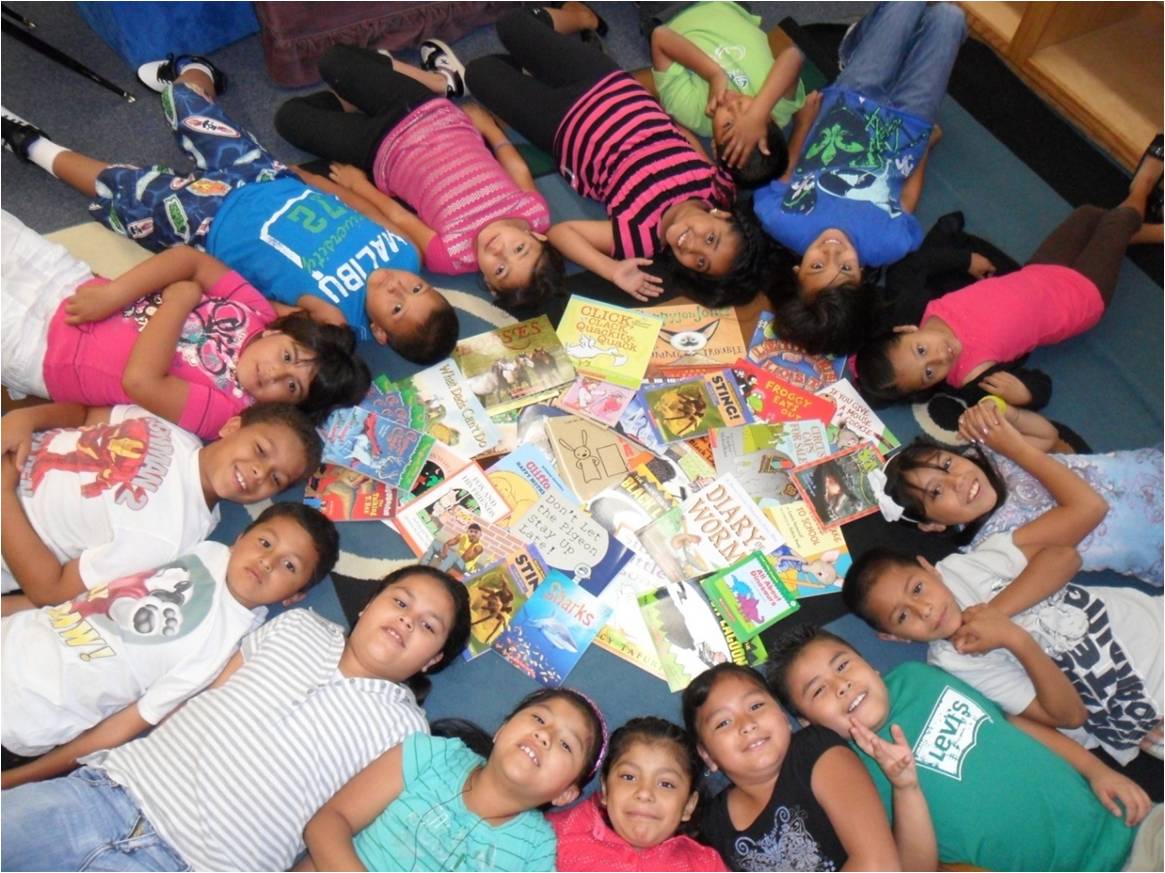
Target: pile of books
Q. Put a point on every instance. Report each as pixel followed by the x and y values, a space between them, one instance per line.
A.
pixel 641 479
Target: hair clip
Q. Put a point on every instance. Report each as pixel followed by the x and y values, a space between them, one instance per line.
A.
pixel 891 509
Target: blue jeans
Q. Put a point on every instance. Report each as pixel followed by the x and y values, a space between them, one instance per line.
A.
pixel 83 821
pixel 901 55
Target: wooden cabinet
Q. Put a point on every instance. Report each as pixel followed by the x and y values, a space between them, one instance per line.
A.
pixel 1100 64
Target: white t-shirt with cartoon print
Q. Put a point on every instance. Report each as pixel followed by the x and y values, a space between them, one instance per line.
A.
pixel 1107 640
pixel 123 497
pixel 153 638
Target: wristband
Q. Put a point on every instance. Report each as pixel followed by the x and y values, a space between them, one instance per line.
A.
pixel 999 402
pixel 498 145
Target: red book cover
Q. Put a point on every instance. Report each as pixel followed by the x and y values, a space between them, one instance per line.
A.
pixel 774 400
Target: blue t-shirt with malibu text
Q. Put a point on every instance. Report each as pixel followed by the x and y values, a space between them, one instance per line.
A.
pixel 289 239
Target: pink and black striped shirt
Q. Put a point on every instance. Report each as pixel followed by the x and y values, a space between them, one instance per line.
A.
pixel 617 145
pixel 436 161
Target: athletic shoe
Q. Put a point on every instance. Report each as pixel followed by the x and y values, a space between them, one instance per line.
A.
pixel 156 75
pixel 437 57
pixel 18 135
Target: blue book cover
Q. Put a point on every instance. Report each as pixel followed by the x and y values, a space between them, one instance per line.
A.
pixel 552 630
pixel 383 399
pixel 363 441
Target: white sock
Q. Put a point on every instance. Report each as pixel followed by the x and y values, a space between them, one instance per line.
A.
pixel 202 68
pixel 43 152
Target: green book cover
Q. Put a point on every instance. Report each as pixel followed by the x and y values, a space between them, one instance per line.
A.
pixel 750 596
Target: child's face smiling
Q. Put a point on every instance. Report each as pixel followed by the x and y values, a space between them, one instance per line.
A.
pixel 399 302
pixel 542 750
pixel 742 730
pixel 702 240
pixel 911 602
pixel 830 683
pixel 648 793
pixel 922 358
pixel 271 562
pixel 274 367
pixel 252 463
pixel 506 254
pixel 830 260
pixel 401 632
pixel 954 490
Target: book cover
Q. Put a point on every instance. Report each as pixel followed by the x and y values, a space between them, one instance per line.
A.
pixel 551 631
pixel 441 463
pixel 589 456
pixel 854 421
pixel 694 338
pixel 636 424
pixel 746 653
pixel 419 520
pixel 522 477
pixel 386 402
pixel 345 495
pixel 464 543
pixel 689 409
pixel 774 400
pixel 714 528
pixel 595 399
pixel 514 366
pixel 789 361
pixel 625 634
pixel 836 488
pixel 750 595
pixel 448 410
pixel 608 342
pixel 685 632
pixel 646 493
pixel 572 542
pixel 377 447
pixel 761 455
pixel 496 593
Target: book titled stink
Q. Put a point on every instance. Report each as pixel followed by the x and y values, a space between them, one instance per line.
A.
pixel 552 630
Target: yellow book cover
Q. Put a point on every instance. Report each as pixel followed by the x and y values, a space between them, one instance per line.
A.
pixel 608 342
pixel 695 337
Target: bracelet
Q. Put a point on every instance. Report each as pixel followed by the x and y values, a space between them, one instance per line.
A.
pixel 498 145
pixel 999 402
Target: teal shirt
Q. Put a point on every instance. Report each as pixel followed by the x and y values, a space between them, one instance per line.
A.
pixel 998 798
pixel 428 827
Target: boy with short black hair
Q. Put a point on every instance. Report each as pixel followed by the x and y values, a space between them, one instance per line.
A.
pixel 91 495
pixel 112 662
pixel 1001 790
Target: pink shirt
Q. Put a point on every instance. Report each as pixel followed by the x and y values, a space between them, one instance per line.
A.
pixel 436 161
pixel 587 842
pixel 85 363
pixel 1002 318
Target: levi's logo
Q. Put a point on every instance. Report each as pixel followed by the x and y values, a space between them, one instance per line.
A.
pixel 950 733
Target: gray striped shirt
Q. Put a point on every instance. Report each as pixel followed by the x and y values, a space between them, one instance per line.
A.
pixel 232 777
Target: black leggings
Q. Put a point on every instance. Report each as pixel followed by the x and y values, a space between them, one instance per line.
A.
pixel 1092 241
pixel 318 123
pixel 562 69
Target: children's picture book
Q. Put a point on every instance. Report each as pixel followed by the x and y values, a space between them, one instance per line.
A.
pixel 750 595
pixel 636 424
pixel 608 342
pixel 690 408
pixel 441 463
pixel 551 631
pixel 789 361
pixel 595 399
pixel 466 542
pixel 496 593
pixel 774 400
pixel 625 633
pixel 746 653
pixel 714 528
pixel 646 493
pixel 420 521
pixel 685 632
pixel 694 338
pixel 522 477
pixel 854 421
pixel 572 542
pixel 514 366
pixel 448 410
pixel 377 447
pixel 590 457
pixel 345 495
pixel 383 399
pixel 765 446
pixel 837 488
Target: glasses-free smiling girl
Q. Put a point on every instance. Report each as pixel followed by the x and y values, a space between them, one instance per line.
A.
pixel 433 803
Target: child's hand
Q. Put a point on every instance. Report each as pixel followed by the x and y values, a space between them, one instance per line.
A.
pixel 747 134
pixel 1008 386
pixel 1110 786
pixel 640 285
pixel 895 759
pixel 346 175
pixel 185 294
pixel 16 438
pixel 805 116
pixel 980 267
pixel 984 423
pixel 984 628
pixel 91 302
pixel 717 88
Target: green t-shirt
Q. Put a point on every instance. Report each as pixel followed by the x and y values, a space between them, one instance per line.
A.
pixel 730 35
pixel 999 799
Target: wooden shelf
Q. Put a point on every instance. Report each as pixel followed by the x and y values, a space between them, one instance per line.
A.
pixel 1100 64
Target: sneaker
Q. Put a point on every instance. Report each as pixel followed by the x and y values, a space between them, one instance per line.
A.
pixel 156 75
pixel 18 135
pixel 437 57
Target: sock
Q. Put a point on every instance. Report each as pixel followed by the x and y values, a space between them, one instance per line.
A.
pixel 202 68
pixel 43 152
